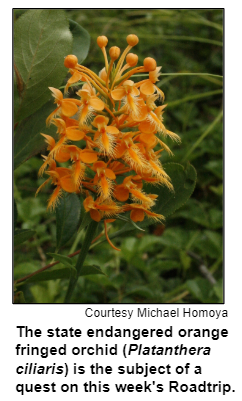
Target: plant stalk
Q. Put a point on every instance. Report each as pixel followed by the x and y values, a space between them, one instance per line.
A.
pixel 91 229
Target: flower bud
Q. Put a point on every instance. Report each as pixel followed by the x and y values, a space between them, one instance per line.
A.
pixel 132 40
pixel 114 52
pixel 149 64
pixel 70 61
pixel 102 41
pixel 132 59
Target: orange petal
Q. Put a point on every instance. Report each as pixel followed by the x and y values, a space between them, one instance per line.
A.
pixel 147 88
pixel 68 108
pixel 148 139
pixel 63 171
pixel 141 115
pixel 146 127
pixel 74 134
pixel 77 76
pixel 84 113
pixel 134 156
pixel 88 156
pixel 95 215
pixel 96 103
pixel 119 150
pixel 118 94
pixel 70 122
pixel 99 164
pixel 67 183
pixel 135 91
pixel 49 118
pixel 54 198
pixel 137 215
pixel 60 124
pixel 62 155
pixel 121 193
pixel 56 93
pixel 42 186
pixel 88 203
pixel 78 173
pixel 105 141
pixel 100 120
pixel 112 130
pixel 50 140
pixel 110 174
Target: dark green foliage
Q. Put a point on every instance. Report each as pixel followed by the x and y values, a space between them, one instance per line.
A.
pixel 67 218
pixel 41 38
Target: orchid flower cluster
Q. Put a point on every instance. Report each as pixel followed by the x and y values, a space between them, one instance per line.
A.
pixel 119 126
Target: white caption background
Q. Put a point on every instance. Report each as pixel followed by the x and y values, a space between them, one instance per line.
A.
pixel 221 366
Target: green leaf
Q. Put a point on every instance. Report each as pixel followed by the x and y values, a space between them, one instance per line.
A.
pixel 81 41
pixel 15 211
pixel 41 40
pixel 201 289
pixel 62 259
pixel 216 167
pixel 164 265
pixel 218 190
pixel 129 248
pixel 56 273
pixel 67 218
pixel 22 235
pixel 27 140
pixel 88 270
pixel 183 180
pixel 64 273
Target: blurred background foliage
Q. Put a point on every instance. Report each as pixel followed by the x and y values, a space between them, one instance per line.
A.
pixel 180 262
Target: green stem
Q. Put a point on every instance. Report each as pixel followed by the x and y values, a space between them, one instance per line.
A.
pixel 173 74
pixel 195 97
pixel 201 138
pixel 91 229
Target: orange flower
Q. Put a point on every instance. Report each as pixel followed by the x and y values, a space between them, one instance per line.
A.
pixel 123 190
pixel 80 158
pixel 62 178
pixel 128 92
pixel 76 77
pixel 138 212
pixel 105 135
pixel 130 152
pixel 66 133
pixel 67 107
pixel 103 179
pixel 148 87
pixel 99 209
pixel 117 122
pixel 89 103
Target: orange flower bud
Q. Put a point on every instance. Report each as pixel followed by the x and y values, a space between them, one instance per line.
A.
pixel 102 41
pixel 149 64
pixel 114 52
pixel 70 61
pixel 132 40
pixel 132 59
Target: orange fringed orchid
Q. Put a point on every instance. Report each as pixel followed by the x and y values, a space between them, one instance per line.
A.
pixel 111 137
pixel 61 177
pixel 68 107
pixel 105 136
